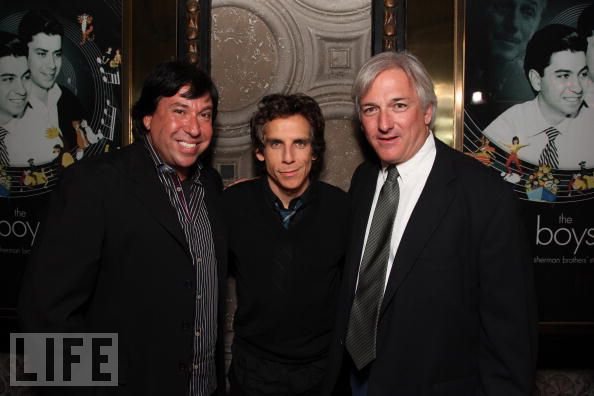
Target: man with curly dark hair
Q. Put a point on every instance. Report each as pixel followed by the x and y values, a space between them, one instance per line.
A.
pixel 287 235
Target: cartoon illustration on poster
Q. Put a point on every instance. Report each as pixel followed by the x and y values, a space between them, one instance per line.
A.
pixel 60 103
pixel 528 113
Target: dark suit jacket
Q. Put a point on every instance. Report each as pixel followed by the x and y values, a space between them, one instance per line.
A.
pixel 458 315
pixel 113 258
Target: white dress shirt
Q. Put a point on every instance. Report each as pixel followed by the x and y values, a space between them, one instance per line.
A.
pixel 412 177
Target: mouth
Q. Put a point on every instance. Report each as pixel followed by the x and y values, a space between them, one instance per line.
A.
pixel 17 101
pixel 388 139
pixel 188 147
pixel 289 173
pixel 49 76
pixel 573 99
pixel 504 38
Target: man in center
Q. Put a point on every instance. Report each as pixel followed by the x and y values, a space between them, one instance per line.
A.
pixel 287 233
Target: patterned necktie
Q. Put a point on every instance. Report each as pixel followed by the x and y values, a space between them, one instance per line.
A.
pixel 549 155
pixel 362 328
pixel 287 214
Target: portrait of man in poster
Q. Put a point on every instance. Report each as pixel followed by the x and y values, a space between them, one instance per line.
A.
pixel 60 102
pixel 533 124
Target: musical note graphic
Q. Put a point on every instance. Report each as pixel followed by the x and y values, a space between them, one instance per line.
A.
pixel 109 121
pixel 110 78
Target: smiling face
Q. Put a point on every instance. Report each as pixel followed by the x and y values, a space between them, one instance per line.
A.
pixel 510 24
pixel 288 156
pixel 180 130
pixel 45 59
pixel 393 119
pixel 561 88
pixel 14 78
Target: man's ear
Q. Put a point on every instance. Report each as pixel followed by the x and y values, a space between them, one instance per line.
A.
pixel 259 155
pixel 146 120
pixel 428 114
pixel 535 79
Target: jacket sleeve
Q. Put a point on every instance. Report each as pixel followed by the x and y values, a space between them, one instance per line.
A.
pixel 508 336
pixel 61 273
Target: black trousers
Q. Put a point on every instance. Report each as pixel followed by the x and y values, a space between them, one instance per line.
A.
pixel 251 375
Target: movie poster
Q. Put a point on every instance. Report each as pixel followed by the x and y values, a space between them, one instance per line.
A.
pixel 60 103
pixel 535 126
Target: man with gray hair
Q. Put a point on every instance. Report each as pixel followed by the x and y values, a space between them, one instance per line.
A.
pixel 438 293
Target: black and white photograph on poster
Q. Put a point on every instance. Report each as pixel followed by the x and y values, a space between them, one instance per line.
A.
pixel 529 114
pixel 60 103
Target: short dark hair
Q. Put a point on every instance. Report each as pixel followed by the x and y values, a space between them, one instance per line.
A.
pixel 548 41
pixel 272 107
pixel 39 21
pixel 585 23
pixel 165 81
pixel 10 45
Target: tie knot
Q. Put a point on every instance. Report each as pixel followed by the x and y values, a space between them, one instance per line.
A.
pixel 392 174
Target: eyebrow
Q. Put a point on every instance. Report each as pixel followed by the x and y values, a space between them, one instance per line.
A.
pixel 570 71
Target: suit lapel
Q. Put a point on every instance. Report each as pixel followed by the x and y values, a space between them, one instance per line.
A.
pixel 147 187
pixel 362 191
pixel 428 213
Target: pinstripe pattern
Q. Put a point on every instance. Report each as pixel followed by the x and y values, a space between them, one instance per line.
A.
pixel 3 152
pixel 193 218
pixel 549 155
pixel 362 328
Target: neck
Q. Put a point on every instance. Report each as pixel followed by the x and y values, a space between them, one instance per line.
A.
pixel 40 93
pixel 284 195
pixel 552 116
pixel 5 118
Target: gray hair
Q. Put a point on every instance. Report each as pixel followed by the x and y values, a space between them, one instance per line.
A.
pixel 410 65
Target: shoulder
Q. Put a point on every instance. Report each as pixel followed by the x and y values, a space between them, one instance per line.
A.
pixel 474 177
pixel 365 169
pixel 330 191
pixel 211 178
pixel 242 191
pixel 106 166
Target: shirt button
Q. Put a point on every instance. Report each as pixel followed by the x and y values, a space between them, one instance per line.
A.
pixel 178 189
pixel 198 259
pixel 195 367
pixel 197 333
pixel 198 296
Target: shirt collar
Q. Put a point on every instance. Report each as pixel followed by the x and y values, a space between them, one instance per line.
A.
pixel 305 198
pixel 163 168
pixel 408 168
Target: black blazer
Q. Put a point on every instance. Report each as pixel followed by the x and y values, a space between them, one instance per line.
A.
pixel 458 315
pixel 113 258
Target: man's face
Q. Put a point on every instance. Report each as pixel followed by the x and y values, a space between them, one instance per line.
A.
pixel 561 88
pixel 288 156
pixel 14 77
pixel 510 25
pixel 394 121
pixel 45 59
pixel 181 129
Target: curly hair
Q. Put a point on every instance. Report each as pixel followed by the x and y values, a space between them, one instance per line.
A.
pixel 272 107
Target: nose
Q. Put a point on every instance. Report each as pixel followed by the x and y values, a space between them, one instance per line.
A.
pixel 384 121
pixel 288 156
pixel 516 20
pixel 51 62
pixel 19 87
pixel 193 126
pixel 576 84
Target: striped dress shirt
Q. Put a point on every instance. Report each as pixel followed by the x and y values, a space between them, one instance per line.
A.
pixel 193 217
pixel 3 151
